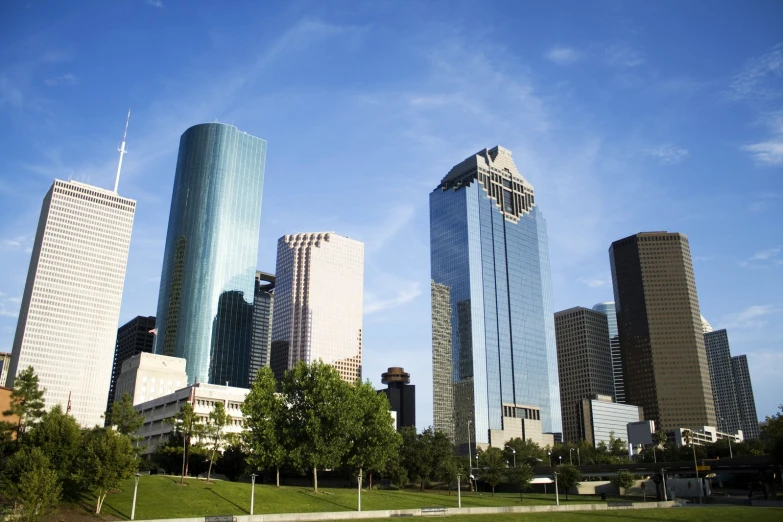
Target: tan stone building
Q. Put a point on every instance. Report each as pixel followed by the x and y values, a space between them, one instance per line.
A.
pixel 147 376
pixel 661 333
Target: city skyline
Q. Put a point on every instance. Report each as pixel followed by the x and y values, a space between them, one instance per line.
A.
pixel 620 129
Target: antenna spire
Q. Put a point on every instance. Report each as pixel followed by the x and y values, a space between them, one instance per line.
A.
pixel 122 152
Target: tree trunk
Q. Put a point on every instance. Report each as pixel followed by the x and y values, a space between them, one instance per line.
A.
pixel 370 480
pixel 315 480
pixel 187 457
pixel 99 504
pixel 211 460
pixel 421 487
pixel 278 476
pixel 493 491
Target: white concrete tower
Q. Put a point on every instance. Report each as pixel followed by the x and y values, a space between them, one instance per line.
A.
pixel 318 303
pixel 67 324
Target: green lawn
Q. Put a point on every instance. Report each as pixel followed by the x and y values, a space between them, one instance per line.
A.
pixel 686 514
pixel 163 497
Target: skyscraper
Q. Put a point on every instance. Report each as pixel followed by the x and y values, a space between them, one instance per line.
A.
pixel 67 324
pixel 442 379
pixel 724 391
pixel 134 337
pixel 318 303
pixel 402 396
pixel 664 359
pixel 261 340
pixel 614 341
pixel 584 362
pixel 490 259
pixel 205 306
pixel 747 404
pixel 5 362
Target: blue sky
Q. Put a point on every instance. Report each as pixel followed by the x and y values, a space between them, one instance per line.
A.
pixel 625 117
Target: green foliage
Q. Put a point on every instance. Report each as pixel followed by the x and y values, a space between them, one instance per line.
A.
pixel 233 462
pixel 521 476
pixel 772 436
pixel 527 452
pixel 397 473
pixel 492 466
pixel 318 420
pixel 264 412
pixel 26 401
pixel 188 425
pixel 217 420
pixel 567 477
pixel 59 437
pixel 122 415
pixel 623 479
pixel 29 480
pixel 168 455
pixel 107 459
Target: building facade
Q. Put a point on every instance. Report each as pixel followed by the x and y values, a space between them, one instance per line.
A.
pixel 5 362
pixel 584 362
pixel 614 342
pixel 147 376
pixel 724 390
pixel 134 337
pixel 67 324
pixel 319 290
pixel 442 375
pixel 600 419
pixel 207 284
pixel 745 401
pixel 261 338
pixel 402 396
pixel 158 412
pixel 661 336
pixel 490 256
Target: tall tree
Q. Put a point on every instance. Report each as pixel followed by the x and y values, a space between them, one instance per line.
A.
pixel 264 411
pixel 189 425
pixel 520 476
pixel 29 480
pixel 59 437
pixel 233 462
pixel 27 401
pixel 625 480
pixel 527 452
pixel 659 438
pixel 568 477
pixel 217 420
pixel 772 436
pixel 374 439
pixel 107 459
pixel 492 466
pixel 318 420
pixel 123 415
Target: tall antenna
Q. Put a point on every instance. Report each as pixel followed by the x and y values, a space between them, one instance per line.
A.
pixel 122 153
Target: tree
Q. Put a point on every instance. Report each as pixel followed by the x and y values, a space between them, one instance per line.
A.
pixel 624 479
pixel 124 416
pixel 264 412
pixel 59 437
pixel 375 440
pixel 189 425
pixel 107 459
pixel 396 473
pixel 772 436
pixel 568 477
pixel 217 420
pixel 26 401
pixel 527 452
pixel 29 480
pixel 520 476
pixel 617 447
pixel 233 462
pixel 492 465
pixel 659 438
pixel 318 419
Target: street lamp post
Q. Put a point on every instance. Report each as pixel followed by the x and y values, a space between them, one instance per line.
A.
pixel 561 459
pixel 549 454
pixel 135 488
pixel 360 489
pixel 578 457
pixel 731 453
pixel 252 492
pixel 470 457
pixel 514 453
pixel 557 494
pixel 459 492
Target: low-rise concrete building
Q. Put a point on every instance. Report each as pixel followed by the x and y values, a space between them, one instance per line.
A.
pixel 600 418
pixel 147 376
pixel 157 412
pixel 520 422
pixel 705 435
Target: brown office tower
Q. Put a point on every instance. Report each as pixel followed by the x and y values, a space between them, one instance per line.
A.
pixel 661 340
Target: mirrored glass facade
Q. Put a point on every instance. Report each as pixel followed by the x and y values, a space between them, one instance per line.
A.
pixel 614 341
pixel 205 306
pixel 489 255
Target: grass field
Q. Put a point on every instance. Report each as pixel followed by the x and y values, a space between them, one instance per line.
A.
pixel 163 497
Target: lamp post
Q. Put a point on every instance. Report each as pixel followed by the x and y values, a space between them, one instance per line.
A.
pixel 135 488
pixel 731 453
pixel 459 492
pixel 252 492
pixel 474 480
pixel 360 489
pixel 557 494
pixel 549 454
pixel 181 425
pixel 514 453
pixel 578 457
pixel 561 459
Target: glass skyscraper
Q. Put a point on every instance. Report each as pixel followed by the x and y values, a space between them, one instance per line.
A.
pixel 490 259
pixel 614 341
pixel 205 306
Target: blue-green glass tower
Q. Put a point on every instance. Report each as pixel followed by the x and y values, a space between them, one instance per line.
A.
pixel 490 263
pixel 205 305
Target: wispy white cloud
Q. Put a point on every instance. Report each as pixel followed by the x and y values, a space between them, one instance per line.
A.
pixel 398 217
pixel 373 304
pixel 760 78
pixel 764 259
pixel 668 153
pixel 155 3
pixel 562 55
pixel 621 55
pixel 594 282
pixel 65 79
pixel 763 202
pixel 750 318
pixel 767 153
